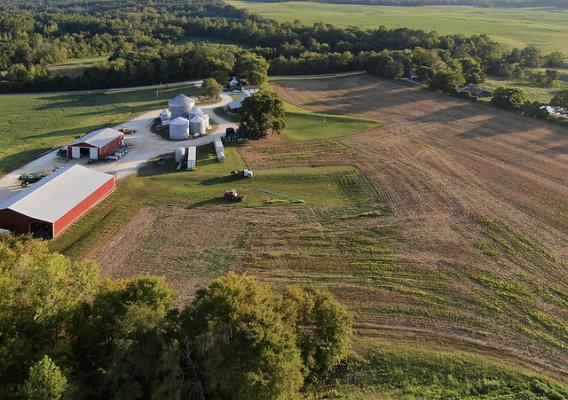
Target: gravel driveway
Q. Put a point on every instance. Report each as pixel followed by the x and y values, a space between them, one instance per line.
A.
pixel 143 146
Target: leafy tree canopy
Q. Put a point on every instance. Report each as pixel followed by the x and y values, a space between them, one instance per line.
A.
pixel 260 113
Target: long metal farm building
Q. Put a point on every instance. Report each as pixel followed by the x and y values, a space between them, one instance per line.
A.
pixel 49 206
pixel 96 144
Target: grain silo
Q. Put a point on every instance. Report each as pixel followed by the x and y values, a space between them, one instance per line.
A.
pixel 198 125
pixel 179 129
pixel 195 111
pixel 165 116
pixel 180 155
pixel 180 105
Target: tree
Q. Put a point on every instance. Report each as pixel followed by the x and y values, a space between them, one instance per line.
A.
pixel 252 67
pixel 39 291
pixel 447 81
pixel 531 57
pixel 554 59
pixel 560 100
pixel 509 98
pixel 261 112
pixel 124 343
pixel 243 342
pixel 472 70
pixel 45 381
pixel 323 328
pixel 211 89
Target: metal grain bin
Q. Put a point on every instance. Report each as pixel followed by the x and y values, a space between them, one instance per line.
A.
pixel 180 105
pixel 198 125
pixel 179 129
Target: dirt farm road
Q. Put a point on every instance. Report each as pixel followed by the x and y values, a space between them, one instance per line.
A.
pixel 142 147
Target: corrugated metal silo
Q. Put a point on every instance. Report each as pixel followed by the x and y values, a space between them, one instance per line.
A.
pixel 198 125
pixel 180 105
pixel 165 116
pixel 179 129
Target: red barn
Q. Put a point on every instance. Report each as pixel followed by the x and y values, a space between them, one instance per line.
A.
pixel 96 144
pixel 49 206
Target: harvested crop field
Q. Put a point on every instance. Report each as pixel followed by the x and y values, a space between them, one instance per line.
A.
pixel 478 223
pixel 451 232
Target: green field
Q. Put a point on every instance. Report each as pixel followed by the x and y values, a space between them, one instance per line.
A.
pixel 205 186
pixel 306 125
pixel 74 67
pixel 545 28
pixel 35 123
pixel 534 92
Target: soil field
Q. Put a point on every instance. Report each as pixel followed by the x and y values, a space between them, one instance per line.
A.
pixel 449 228
pixel 478 227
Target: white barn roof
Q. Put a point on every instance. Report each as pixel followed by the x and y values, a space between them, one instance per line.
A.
pixel 56 194
pixel 99 138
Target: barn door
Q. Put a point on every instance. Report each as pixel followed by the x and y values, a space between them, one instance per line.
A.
pixel 93 153
pixel 75 152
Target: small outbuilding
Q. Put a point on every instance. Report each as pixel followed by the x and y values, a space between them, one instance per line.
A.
pixel 96 144
pixel 51 205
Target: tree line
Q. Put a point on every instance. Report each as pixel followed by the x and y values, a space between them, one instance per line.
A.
pixel 65 333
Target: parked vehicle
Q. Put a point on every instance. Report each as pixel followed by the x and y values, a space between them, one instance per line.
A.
pixel 28 179
pixel 247 173
pixel 128 131
pixel 233 195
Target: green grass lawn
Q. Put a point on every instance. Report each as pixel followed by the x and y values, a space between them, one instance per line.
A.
pixel 323 186
pixel 534 92
pixel 513 27
pixel 385 370
pixel 35 123
pixel 303 124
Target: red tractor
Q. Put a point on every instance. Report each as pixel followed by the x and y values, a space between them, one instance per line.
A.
pixel 233 195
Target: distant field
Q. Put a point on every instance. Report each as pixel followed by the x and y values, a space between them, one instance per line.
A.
pixel 74 67
pixel 546 28
pixel 534 92
pixel 35 123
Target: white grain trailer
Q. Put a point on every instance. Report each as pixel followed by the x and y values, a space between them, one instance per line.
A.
pixel 219 149
pixel 191 158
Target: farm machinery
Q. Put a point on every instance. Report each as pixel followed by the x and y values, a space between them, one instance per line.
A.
pixel 28 179
pixel 128 131
pixel 247 173
pixel 233 195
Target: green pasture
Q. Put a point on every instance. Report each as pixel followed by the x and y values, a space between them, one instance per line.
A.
pixel 32 124
pixel 385 370
pixel 74 67
pixel 535 93
pixel 546 28
pixel 160 185
pixel 303 124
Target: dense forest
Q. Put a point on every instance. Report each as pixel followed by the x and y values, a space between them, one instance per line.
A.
pixel 148 42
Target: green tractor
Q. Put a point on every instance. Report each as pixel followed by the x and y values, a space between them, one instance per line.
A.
pixel 27 179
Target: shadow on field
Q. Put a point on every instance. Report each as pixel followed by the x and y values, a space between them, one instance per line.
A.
pixel 210 202
pixel 16 160
pixel 219 180
pixel 65 132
